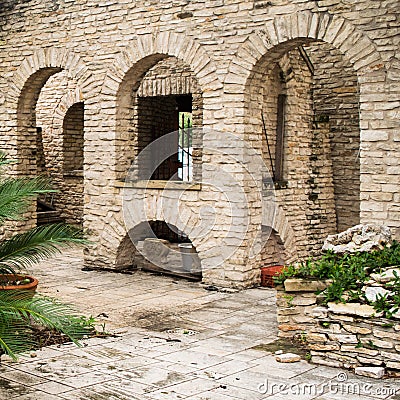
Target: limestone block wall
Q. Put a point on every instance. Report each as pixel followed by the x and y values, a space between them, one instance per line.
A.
pixel 336 101
pixel 103 50
pixel 306 190
pixel 340 335
pixel 60 116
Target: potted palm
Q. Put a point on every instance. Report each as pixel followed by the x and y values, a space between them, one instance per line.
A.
pixel 21 311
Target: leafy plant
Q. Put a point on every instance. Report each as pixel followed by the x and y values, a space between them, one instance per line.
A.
pixel 348 274
pixel 21 311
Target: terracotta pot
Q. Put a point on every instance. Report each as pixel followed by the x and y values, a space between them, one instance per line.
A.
pixel 27 286
pixel 268 273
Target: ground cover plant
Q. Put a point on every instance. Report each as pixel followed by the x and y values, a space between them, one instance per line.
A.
pixel 351 273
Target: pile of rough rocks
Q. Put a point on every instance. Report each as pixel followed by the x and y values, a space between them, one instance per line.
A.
pixel 359 238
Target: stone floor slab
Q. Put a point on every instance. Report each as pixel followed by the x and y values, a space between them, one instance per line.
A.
pixel 174 340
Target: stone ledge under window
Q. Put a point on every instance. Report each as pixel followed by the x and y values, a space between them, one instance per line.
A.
pixel 158 184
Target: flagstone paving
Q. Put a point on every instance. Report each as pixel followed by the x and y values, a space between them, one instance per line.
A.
pixel 174 340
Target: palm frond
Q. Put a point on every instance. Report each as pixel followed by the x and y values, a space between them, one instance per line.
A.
pixel 28 248
pixel 15 338
pixel 19 310
pixel 16 195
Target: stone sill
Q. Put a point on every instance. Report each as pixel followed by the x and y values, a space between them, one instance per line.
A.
pixel 305 285
pixel 158 184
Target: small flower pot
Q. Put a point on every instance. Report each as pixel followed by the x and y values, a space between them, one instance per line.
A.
pixel 31 285
pixel 268 273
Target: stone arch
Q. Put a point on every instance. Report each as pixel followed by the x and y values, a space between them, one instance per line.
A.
pixel 130 66
pixel 279 36
pixel 25 87
pixel 149 49
pixel 47 60
pixel 283 227
pixel 302 26
pixel 56 97
pixel 115 236
pixel 71 97
pixel 155 246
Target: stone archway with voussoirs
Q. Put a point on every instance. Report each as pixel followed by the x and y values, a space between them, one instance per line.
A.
pixel 129 67
pixel 298 28
pixel 24 90
pixel 283 33
pixel 123 77
pixel 25 87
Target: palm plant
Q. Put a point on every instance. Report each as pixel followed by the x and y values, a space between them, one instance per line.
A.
pixel 21 311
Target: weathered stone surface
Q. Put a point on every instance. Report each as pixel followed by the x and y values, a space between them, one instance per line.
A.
pixel 362 310
pixel 373 293
pixel 357 329
pixel 324 347
pixel 370 361
pixel 320 312
pixel 288 358
pixel 347 339
pixel 330 182
pixel 322 360
pixel 305 285
pixel 288 327
pixel 304 301
pixel 359 238
pixel 371 372
pixel 360 350
pixel 386 276
pixel 393 365
pixel 316 337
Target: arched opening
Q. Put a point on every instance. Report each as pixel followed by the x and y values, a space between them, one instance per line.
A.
pixel 60 115
pixel 73 139
pixel 30 152
pixel 156 246
pixel 336 102
pixel 308 122
pixel 165 98
pixel 70 199
pixel 28 133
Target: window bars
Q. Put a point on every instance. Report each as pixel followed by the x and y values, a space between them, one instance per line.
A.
pixel 185 146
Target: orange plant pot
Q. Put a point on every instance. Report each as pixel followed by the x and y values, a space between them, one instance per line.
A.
pixel 32 285
pixel 268 273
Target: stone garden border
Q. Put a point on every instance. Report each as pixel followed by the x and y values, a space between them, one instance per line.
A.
pixel 346 335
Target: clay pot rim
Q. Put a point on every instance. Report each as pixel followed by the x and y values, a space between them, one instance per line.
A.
pixel 27 286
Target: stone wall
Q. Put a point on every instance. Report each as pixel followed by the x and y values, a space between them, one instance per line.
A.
pixel 336 101
pixel 305 191
pixel 60 116
pixel 339 335
pixel 98 52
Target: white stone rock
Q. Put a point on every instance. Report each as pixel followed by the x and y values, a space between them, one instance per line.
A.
pixel 373 293
pixel 363 310
pixel 288 358
pixel 371 372
pixel 386 276
pixel 395 314
pixel 359 238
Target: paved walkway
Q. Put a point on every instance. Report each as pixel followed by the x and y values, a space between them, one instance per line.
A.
pixel 175 340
